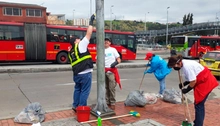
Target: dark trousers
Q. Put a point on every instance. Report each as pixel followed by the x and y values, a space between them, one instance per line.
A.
pixel 200 112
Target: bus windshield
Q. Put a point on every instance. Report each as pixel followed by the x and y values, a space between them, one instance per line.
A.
pixel 178 41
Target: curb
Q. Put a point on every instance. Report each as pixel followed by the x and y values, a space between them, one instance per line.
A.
pixel 53 68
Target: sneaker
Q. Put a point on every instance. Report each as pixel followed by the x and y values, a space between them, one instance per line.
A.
pixel 159 95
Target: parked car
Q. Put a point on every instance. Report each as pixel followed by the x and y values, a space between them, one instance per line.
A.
pixel 212 60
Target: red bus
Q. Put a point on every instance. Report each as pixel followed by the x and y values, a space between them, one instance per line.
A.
pixel 192 46
pixel 40 42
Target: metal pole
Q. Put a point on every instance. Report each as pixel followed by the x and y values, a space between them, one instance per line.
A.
pixel 73 16
pixel 167 27
pixel 111 17
pixel 90 7
pixel 145 23
pixel 101 102
pixel 145 27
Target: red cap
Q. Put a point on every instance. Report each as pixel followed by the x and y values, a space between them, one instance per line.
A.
pixel 148 55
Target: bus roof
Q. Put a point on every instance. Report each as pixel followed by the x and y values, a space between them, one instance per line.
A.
pixel 191 36
pixel 11 23
pixel 85 28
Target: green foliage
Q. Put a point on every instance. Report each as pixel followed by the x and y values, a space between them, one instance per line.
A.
pixel 69 22
pixel 132 26
pixel 188 19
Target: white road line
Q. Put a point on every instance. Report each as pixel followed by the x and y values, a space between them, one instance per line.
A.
pixel 68 84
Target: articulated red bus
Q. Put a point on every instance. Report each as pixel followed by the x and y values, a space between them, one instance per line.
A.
pixel 39 42
pixel 192 46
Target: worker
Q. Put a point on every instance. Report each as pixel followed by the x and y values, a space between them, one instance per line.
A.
pixel 199 79
pixel 82 66
pixel 112 58
pixel 158 66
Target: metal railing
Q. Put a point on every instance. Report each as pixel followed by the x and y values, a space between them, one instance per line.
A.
pixel 180 30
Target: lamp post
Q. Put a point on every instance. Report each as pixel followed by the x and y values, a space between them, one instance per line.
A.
pixel 217 25
pixel 73 16
pixel 167 27
pixel 111 17
pixel 90 7
pixel 145 27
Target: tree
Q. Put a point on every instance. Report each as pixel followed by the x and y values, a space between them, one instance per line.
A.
pixel 188 19
pixel 69 22
pixel 191 19
pixel 184 20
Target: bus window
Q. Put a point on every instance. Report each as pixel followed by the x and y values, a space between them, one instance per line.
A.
pixel 115 39
pixel 57 35
pixel 119 40
pixel 191 41
pixel 218 42
pixel 11 33
pixel 81 34
pixel 178 40
pixel 1 35
pixel 205 42
pixel 93 38
pixel 107 35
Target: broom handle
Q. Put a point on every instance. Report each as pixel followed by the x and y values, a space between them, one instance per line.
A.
pixel 107 118
pixel 141 82
pixel 180 80
pixel 142 79
pixel 186 100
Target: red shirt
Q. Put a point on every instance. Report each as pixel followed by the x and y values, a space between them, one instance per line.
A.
pixel 115 72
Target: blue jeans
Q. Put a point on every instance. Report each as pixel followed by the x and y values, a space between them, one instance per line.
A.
pixel 83 83
pixel 200 112
pixel 162 85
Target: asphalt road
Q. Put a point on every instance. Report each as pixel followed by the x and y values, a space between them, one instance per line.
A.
pixel 53 90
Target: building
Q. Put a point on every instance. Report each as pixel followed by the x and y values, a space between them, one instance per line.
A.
pixel 81 22
pixel 56 19
pixel 23 13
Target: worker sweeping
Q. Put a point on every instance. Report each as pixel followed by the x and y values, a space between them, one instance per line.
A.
pixel 158 66
pixel 199 79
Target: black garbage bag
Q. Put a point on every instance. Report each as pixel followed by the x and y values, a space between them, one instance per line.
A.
pixel 33 113
pixel 135 98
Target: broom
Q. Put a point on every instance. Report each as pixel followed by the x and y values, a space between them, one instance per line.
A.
pixel 184 99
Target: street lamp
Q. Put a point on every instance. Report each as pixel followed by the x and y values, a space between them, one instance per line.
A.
pixel 145 22
pixel 217 25
pixel 111 17
pixel 73 16
pixel 167 27
pixel 90 7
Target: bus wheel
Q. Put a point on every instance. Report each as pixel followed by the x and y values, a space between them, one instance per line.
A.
pixel 62 58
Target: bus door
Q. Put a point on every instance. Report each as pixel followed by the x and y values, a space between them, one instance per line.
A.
pixel 193 44
pixel 3 46
pixel 213 44
pixel 35 41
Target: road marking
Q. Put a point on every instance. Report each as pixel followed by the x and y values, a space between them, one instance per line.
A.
pixel 68 84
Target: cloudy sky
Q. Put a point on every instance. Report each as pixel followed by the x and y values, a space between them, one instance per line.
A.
pixel 203 10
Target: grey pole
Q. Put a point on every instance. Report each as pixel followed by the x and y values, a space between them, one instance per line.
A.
pixel 145 23
pixel 101 102
pixel 167 27
pixel 90 7
pixel 73 16
pixel 111 17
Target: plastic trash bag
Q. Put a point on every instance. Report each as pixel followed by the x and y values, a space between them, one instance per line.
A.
pixel 135 98
pixel 36 124
pixel 33 113
pixel 151 98
pixel 172 96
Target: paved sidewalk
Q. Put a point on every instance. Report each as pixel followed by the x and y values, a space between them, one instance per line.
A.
pixel 159 114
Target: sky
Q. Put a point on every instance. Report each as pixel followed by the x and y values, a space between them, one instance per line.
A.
pixel 139 10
